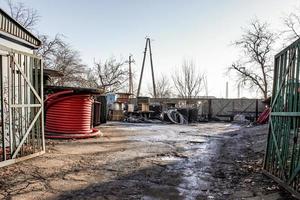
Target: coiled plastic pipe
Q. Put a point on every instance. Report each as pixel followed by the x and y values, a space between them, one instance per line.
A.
pixel 68 115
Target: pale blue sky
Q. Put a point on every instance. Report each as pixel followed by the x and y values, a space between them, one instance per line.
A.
pixel 181 29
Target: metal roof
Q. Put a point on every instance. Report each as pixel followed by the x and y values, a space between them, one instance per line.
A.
pixel 15 32
pixel 75 89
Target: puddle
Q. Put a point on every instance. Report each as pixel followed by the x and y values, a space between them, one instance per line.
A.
pixel 149 198
pixel 197 141
pixel 192 153
pixel 170 158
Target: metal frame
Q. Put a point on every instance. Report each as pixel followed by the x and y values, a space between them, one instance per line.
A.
pixel 22 107
pixel 2 111
pixel 282 158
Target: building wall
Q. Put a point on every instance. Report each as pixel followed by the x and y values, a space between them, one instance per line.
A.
pixel 15 46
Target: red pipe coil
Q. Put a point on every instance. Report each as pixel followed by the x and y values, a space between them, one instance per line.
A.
pixel 68 115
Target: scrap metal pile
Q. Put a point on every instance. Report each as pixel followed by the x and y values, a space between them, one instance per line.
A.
pixel 174 116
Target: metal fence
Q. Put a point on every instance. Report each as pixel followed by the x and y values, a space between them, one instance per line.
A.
pixel 21 122
pixel 217 108
pixel 283 149
pixel 228 108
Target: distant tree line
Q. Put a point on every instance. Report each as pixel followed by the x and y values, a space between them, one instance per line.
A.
pixel 253 69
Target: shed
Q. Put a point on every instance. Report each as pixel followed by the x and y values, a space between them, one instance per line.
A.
pixel 21 97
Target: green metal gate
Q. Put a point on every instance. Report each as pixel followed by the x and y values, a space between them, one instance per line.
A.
pixel 282 161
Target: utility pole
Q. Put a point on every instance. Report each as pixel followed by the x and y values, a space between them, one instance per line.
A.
pixel 226 90
pixel 239 91
pixel 205 85
pixel 148 43
pixel 130 86
pixel 152 70
pixel 142 71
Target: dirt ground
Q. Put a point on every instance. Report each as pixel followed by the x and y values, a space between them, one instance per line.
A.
pixel 149 162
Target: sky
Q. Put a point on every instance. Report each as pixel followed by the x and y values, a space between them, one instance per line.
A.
pixel 198 30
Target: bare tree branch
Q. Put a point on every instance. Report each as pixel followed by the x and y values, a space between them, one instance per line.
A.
pixel 68 61
pixel 255 66
pixel 292 24
pixel 111 75
pixel 163 88
pixel 60 56
pixel 187 82
pixel 27 17
pixel 56 53
pixel 49 48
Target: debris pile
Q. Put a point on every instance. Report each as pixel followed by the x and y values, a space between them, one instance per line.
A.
pixel 174 116
pixel 241 119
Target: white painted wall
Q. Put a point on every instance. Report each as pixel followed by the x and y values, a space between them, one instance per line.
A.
pixel 15 46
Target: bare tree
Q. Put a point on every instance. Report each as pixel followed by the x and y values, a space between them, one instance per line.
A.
pixel 55 52
pixel 59 55
pixel 205 84
pixel 163 87
pixel 90 79
pixel 292 24
pixel 27 17
pixel 187 81
pixel 49 48
pixel 68 61
pixel 111 75
pixel 254 68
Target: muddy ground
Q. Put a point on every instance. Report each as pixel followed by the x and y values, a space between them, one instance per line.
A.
pixel 148 161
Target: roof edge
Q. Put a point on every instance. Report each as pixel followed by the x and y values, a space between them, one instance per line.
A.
pixel 23 29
